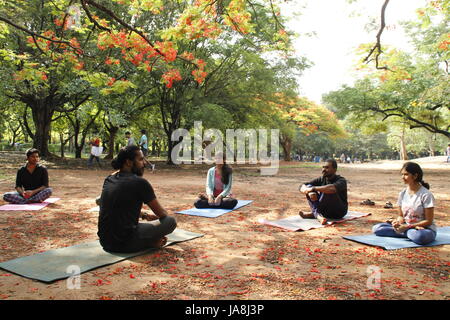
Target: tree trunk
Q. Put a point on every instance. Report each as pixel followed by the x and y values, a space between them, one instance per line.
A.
pixel 158 149
pixel 71 145
pixel 15 134
pixel 76 125
pixel 42 116
pixel 286 144
pixel 403 152
pixel 153 147
pixel 112 131
pixel 25 135
pixel 170 145
pixel 432 145
pixel 61 140
pixel 78 146
pixel 78 151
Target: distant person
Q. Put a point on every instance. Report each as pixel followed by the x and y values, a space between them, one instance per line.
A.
pixel 143 142
pixel 96 151
pixel 448 153
pixel 349 160
pixel 326 195
pixel 31 182
pixel 342 158
pixel 219 181
pixel 130 139
pixel 416 209
pixel 123 194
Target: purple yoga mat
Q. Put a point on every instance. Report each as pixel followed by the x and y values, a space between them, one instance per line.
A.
pixel 29 206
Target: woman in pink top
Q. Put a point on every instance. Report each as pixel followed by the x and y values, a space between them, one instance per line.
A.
pixel 218 186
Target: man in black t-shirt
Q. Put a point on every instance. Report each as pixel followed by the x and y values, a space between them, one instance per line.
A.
pixel 31 182
pixel 327 195
pixel 123 194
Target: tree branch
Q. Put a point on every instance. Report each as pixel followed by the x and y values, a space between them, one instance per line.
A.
pixel 377 45
pixel 25 123
pixel 419 123
pixel 91 18
pixel 34 34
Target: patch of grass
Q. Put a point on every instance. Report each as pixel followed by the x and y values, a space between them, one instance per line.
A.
pixel 5 176
pixel 249 173
pixel 301 165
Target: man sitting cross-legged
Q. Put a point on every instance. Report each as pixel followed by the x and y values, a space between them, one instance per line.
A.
pixel 123 194
pixel 31 182
pixel 327 195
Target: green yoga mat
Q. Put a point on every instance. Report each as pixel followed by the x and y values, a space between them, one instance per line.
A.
pixel 60 263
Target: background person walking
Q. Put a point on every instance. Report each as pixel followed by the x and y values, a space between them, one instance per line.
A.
pixel 96 151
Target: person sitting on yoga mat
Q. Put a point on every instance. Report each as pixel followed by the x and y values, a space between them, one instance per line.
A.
pixel 218 186
pixel 31 182
pixel 123 195
pixel 326 195
pixel 415 212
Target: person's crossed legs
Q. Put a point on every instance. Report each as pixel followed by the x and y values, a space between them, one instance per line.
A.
pixel 15 197
pixel 324 206
pixel 421 236
pixel 313 201
pixel 226 203
pixel 148 235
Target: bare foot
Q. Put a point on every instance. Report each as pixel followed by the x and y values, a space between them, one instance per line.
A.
pixel 306 215
pixel 160 243
pixel 322 220
pixel 390 220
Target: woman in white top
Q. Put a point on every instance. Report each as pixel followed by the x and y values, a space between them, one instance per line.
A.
pixel 416 209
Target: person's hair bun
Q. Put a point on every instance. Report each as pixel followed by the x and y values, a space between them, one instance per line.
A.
pixel 126 153
pixel 115 164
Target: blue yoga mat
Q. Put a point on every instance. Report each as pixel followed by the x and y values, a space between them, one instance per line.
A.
pixel 60 263
pixel 391 243
pixel 213 213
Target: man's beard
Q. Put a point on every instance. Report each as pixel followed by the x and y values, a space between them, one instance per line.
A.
pixel 327 175
pixel 137 171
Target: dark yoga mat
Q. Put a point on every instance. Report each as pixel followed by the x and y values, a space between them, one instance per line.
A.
pixel 53 265
pixel 391 243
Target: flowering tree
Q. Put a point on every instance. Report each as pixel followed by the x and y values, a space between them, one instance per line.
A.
pixel 300 114
pixel 60 50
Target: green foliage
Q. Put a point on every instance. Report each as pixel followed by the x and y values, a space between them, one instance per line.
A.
pixel 414 91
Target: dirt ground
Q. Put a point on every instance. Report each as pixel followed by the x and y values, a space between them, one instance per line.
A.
pixel 238 258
